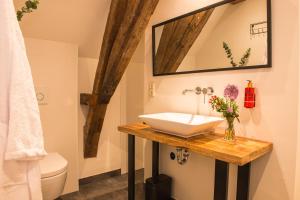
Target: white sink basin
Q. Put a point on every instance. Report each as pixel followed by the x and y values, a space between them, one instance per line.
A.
pixel 180 124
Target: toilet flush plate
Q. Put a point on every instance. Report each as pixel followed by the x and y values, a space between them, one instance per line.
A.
pixel 42 95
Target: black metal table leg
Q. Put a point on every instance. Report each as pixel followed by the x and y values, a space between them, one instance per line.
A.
pixel 155 161
pixel 243 181
pixel 131 167
pixel 221 180
pixel 158 187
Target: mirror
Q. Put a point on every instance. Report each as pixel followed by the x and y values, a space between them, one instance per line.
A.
pixel 229 35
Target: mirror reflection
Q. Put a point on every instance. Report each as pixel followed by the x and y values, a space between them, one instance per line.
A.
pixel 233 35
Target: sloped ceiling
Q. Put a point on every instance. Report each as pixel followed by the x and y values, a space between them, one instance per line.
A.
pixel 80 22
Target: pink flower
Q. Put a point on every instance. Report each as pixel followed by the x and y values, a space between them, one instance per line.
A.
pixel 231 92
pixel 229 110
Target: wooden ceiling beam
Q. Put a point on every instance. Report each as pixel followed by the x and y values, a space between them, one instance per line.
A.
pixel 126 23
pixel 87 99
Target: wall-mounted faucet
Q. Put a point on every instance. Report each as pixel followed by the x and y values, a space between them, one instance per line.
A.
pixel 198 90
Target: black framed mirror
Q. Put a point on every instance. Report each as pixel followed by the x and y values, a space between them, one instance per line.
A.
pixel 229 35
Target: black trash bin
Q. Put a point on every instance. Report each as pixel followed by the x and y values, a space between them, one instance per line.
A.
pixel 159 188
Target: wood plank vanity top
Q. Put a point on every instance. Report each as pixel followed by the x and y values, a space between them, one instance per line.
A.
pixel 241 152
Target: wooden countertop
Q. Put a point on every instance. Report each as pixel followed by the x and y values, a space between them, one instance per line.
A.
pixel 241 152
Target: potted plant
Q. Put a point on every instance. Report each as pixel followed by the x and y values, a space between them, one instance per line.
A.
pixel 229 109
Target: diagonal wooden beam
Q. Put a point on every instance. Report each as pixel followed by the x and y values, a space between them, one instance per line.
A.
pixel 125 26
pixel 176 40
pixel 237 1
pixel 87 99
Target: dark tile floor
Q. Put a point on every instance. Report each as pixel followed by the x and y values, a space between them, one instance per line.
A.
pixel 111 188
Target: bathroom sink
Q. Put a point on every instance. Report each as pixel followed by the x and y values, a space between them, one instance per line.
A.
pixel 181 124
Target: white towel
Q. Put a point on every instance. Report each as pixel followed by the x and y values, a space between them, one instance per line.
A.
pixel 21 139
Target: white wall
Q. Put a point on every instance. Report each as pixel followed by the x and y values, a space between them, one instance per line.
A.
pixel 109 155
pixel 297 177
pixel 59 73
pixel 274 119
pixel 124 107
pixel 133 90
pixel 54 68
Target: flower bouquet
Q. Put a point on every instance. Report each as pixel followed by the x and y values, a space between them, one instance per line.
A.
pixel 229 109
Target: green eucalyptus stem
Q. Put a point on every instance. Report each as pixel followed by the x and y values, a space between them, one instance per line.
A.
pixel 244 60
pixel 29 6
pixel 229 54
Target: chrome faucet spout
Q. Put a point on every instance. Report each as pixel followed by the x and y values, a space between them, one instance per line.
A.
pixel 186 91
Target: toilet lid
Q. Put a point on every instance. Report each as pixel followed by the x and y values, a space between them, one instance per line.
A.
pixel 52 165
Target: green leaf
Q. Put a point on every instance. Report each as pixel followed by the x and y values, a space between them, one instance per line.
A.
pixel 34 4
pixel 27 8
pixel 19 15
pixel 28 4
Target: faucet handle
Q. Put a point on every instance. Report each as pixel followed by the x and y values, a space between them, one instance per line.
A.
pixel 210 91
pixel 198 90
pixel 207 91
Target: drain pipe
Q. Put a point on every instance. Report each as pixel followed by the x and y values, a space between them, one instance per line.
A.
pixel 182 155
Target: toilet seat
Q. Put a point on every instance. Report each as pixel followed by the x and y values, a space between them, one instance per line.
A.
pixel 53 164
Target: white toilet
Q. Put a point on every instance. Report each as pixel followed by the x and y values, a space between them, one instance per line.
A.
pixel 54 174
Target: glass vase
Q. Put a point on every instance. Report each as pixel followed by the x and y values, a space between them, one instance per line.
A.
pixel 230 132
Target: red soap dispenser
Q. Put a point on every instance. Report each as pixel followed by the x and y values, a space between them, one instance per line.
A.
pixel 249 95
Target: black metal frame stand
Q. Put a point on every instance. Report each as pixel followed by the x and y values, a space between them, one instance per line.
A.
pixel 243 182
pixel 221 174
pixel 221 181
pixel 131 167
pixel 155 161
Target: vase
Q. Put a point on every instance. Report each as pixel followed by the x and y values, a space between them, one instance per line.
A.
pixel 230 132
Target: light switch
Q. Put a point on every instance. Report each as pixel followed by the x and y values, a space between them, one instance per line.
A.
pixel 151 89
